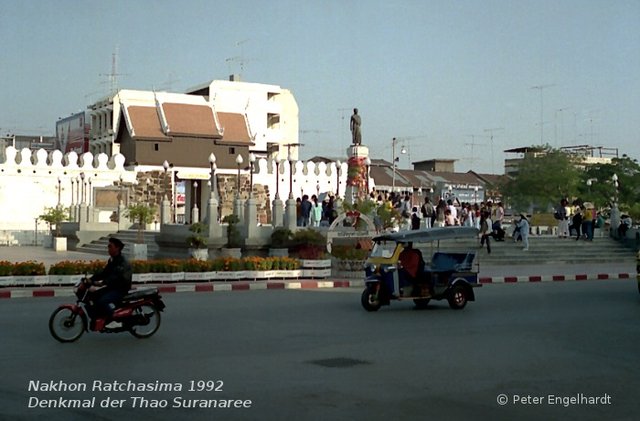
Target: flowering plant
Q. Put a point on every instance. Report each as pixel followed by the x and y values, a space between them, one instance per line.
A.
pixel 29 268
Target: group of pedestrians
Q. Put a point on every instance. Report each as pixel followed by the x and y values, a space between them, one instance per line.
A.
pixel 577 219
pixel 311 212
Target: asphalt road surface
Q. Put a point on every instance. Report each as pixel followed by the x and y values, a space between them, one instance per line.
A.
pixel 564 350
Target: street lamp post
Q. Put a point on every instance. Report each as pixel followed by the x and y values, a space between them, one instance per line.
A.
pixel 368 164
pixel 195 215
pixel 83 187
pixel 395 160
pixel 212 165
pixel 59 190
pixel 290 159
pixel 338 168
pixel 277 196
pixel 165 165
pixel 239 162
pixel 252 160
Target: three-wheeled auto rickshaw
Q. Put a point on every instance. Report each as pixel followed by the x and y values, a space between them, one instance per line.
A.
pixel 396 269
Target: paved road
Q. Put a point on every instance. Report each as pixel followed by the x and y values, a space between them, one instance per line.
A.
pixel 317 355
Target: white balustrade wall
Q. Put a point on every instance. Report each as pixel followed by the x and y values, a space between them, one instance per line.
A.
pixel 29 181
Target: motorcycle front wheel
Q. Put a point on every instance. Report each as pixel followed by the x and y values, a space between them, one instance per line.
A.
pixel 145 321
pixel 66 325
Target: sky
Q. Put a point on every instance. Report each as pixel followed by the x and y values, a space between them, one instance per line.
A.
pixel 461 80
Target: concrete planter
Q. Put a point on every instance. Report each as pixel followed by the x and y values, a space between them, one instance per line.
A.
pixel 7 281
pixel 169 277
pixel 60 243
pixel 199 254
pixel 313 264
pixel 64 279
pixel 31 280
pixel 138 251
pixel 197 276
pixel 140 278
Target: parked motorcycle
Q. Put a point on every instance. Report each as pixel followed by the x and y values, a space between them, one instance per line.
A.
pixel 138 312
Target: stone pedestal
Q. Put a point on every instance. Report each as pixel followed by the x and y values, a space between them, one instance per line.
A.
pixel 195 215
pixel 277 214
pixel 290 221
pixel 165 211
pixel 251 219
pixel 357 155
pixel 82 215
pixel 215 229
pixel 123 222
pixel 237 209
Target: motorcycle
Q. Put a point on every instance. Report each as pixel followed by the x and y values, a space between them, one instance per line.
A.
pixel 138 313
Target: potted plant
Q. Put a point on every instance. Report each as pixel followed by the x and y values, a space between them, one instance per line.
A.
pixel 280 241
pixel 234 239
pixel 54 217
pixel 197 242
pixel 142 214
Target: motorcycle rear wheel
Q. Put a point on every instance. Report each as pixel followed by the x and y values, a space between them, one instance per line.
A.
pixel 151 317
pixel 66 326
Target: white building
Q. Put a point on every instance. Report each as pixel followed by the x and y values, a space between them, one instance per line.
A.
pixel 271 113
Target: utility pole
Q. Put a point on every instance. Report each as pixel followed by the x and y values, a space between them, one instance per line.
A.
pixel 541 88
pixel 491 140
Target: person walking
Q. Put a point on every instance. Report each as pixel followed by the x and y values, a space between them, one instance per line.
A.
pixel 427 212
pixel 577 221
pixel 486 230
pixel 561 214
pixel 523 229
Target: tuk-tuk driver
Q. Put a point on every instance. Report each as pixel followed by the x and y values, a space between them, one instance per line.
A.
pixel 410 262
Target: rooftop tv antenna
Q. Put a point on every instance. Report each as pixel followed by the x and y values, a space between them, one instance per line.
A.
pixel 113 75
pixel 240 59
pixel 491 143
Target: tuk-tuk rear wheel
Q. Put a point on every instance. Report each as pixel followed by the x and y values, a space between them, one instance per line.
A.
pixel 458 297
pixel 369 300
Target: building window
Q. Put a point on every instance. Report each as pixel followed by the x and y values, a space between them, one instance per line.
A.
pixel 156 147
pixel 273 121
pixel 232 151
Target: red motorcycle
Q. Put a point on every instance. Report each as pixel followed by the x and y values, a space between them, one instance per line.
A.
pixel 138 313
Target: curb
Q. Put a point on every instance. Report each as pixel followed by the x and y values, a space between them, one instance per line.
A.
pixel 299 284
pixel 553 278
pixel 193 287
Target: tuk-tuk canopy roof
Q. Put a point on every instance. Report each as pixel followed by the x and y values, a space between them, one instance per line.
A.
pixel 429 234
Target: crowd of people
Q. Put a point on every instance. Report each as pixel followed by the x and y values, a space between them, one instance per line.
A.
pixel 578 219
pixel 313 212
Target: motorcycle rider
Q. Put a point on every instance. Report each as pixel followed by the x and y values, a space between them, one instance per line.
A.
pixel 112 283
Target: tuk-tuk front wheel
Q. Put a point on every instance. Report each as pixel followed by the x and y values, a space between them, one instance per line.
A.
pixel 458 297
pixel 370 301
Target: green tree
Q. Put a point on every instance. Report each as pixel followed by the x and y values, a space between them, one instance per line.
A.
pixel 55 216
pixel 142 214
pixel 597 184
pixel 543 179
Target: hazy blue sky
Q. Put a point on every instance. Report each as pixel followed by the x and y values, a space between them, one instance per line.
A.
pixel 439 73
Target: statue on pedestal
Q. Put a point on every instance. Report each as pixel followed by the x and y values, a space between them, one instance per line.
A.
pixel 354 125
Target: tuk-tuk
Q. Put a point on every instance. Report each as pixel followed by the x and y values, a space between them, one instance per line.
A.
pixel 445 275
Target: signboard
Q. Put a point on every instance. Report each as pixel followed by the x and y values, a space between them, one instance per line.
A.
pixel 72 134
